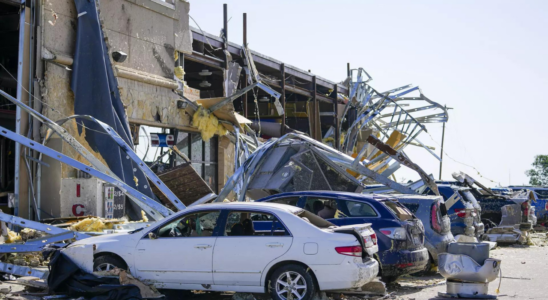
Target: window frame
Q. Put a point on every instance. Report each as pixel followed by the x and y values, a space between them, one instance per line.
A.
pixel 214 146
pixel 223 219
pixel 286 198
pixel 215 232
pixel 357 201
pixel 339 204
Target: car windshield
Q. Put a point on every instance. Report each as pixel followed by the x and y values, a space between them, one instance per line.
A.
pixel 400 211
pixel 313 219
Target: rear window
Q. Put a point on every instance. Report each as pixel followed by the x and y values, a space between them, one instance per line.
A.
pixel 313 219
pixel 358 209
pixel 413 207
pixel 400 211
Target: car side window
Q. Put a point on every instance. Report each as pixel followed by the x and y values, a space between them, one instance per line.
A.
pixel 192 225
pixel 358 209
pixel 250 223
pixel 289 201
pixel 323 207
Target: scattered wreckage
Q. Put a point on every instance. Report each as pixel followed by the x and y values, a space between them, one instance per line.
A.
pixel 372 137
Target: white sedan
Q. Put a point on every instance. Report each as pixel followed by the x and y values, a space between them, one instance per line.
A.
pixel 242 247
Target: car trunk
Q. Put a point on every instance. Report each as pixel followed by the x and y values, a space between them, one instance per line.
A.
pixel 440 217
pixel 413 226
pixel 362 232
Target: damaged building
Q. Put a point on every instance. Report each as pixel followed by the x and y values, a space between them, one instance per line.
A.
pixel 145 80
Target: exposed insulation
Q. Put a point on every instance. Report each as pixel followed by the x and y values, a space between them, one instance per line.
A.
pixel 144 216
pixel 91 225
pixel 207 123
pixel 12 237
pixel 32 259
pixel 179 72
pixel 329 141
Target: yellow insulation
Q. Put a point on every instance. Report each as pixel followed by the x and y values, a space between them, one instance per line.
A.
pixel 12 237
pixel 179 72
pixel 207 123
pixel 144 216
pixel 91 225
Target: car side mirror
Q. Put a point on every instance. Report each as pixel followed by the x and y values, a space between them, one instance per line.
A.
pixel 152 235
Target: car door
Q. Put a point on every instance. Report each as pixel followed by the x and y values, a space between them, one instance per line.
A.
pixel 249 241
pixel 181 250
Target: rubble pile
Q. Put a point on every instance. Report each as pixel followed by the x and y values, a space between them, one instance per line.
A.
pixel 31 259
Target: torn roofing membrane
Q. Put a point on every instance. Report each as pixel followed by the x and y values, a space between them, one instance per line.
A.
pixel 96 94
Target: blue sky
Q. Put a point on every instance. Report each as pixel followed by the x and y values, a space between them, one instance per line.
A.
pixel 486 59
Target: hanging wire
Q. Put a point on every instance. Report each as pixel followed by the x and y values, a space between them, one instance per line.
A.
pixel 464 164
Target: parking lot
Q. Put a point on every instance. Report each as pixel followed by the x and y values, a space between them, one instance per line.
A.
pixel 521 276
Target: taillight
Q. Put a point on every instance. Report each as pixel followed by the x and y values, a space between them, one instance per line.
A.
pixel 370 240
pixel 395 233
pixel 436 225
pixel 461 212
pixel 350 250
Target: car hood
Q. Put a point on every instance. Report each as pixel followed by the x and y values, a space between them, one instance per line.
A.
pixel 114 237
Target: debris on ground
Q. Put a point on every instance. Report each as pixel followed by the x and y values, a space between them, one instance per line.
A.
pixel 31 259
pixel 147 292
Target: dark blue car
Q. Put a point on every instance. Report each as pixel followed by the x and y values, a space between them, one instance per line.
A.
pixel 461 204
pixel 400 235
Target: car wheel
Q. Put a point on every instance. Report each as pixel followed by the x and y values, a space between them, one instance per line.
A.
pixel 291 282
pixel 107 263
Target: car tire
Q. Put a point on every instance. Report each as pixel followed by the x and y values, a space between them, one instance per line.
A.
pixel 107 263
pixel 280 285
pixel 389 279
pixel 429 269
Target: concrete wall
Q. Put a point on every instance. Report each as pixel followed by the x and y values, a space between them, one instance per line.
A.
pixel 148 32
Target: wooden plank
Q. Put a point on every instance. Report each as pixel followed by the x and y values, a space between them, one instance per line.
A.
pixel 184 182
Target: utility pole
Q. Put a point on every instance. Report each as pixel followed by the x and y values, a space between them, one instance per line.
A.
pixel 442 141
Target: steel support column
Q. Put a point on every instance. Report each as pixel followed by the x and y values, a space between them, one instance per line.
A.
pixel 336 117
pixel 18 112
pixel 244 84
pixel 316 112
pixel 282 97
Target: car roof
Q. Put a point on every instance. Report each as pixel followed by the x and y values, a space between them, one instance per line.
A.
pixel 372 197
pixel 418 197
pixel 251 205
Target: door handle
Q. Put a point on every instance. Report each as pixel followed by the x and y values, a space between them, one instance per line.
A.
pixel 202 246
pixel 274 245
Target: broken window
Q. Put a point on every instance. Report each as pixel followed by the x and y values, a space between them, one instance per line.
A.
pixel 193 225
pixel 313 219
pixel 336 179
pixel 203 156
pixel 244 223
pixel 400 211
pixel 325 208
